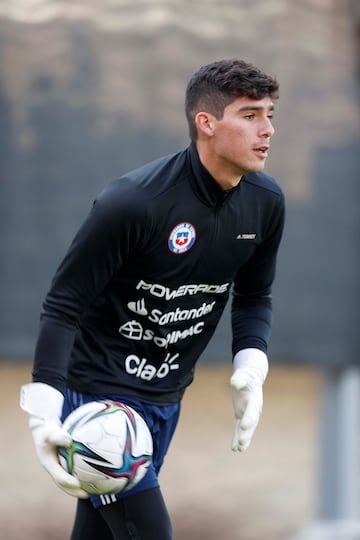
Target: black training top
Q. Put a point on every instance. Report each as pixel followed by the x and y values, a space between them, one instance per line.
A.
pixel 146 279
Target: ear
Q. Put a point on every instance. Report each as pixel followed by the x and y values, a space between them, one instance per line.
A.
pixel 205 123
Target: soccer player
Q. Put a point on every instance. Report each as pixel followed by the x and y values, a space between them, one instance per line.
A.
pixel 144 283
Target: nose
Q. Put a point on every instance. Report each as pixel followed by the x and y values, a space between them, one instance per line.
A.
pixel 267 129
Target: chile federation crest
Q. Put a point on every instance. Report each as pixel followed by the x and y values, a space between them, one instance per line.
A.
pixel 182 238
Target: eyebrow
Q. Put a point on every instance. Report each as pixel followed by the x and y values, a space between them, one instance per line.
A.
pixel 255 108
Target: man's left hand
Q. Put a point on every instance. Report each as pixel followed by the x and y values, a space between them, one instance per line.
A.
pixel 250 370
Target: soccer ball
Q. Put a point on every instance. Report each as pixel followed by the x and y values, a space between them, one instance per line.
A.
pixel 111 449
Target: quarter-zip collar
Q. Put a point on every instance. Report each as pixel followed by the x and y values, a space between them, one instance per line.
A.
pixel 205 187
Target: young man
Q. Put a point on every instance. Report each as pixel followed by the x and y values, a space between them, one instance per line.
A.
pixel 145 281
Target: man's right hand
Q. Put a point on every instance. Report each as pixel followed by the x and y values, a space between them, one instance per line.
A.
pixel 44 403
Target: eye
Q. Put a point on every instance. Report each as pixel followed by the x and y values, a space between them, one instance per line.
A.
pixel 249 116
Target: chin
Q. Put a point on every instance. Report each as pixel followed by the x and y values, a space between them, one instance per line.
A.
pixel 259 167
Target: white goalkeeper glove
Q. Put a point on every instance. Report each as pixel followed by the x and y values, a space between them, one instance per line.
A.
pixel 44 404
pixel 250 370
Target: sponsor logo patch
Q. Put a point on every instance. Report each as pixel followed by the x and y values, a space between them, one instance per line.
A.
pixel 182 238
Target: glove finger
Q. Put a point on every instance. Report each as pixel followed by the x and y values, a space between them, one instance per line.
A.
pixel 59 437
pixel 74 492
pixel 252 411
pixel 239 380
pixel 250 417
pixel 63 478
pixel 59 475
pixel 235 439
pixel 66 482
pixel 241 438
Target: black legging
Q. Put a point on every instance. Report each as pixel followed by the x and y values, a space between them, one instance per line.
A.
pixel 142 516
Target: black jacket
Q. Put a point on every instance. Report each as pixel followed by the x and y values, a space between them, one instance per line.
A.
pixel 145 281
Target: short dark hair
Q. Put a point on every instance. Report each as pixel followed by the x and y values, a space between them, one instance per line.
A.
pixel 216 85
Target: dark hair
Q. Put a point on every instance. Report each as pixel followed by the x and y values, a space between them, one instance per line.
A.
pixel 216 85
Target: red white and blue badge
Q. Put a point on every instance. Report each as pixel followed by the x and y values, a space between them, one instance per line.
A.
pixel 182 238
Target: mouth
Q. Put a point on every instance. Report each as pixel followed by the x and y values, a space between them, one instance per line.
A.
pixel 262 151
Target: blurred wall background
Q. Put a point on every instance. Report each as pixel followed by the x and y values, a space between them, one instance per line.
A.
pixel 90 89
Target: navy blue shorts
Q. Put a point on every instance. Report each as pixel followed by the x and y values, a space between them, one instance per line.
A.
pixel 161 420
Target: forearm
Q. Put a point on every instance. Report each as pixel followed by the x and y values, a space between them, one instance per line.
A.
pixel 251 323
pixel 52 353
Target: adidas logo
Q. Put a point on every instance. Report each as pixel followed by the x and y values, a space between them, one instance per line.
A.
pixel 246 236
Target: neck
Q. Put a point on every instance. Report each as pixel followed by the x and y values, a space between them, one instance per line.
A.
pixel 222 173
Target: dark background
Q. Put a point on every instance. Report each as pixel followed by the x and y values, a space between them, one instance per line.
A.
pixel 90 90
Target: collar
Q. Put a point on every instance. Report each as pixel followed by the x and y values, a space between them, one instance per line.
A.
pixel 204 185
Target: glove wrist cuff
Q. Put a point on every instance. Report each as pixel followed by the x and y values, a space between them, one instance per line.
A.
pixel 252 360
pixel 41 400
